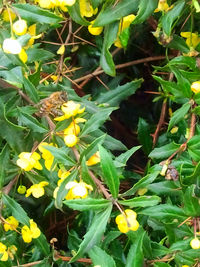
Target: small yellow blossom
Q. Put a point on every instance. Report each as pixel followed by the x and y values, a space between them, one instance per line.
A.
pixel 86 9
pixel 62 174
pixel 37 190
pixel 11 46
pixel 125 22
pixel 94 159
pixel 77 190
pixel 28 161
pixel 70 109
pixel 127 221
pixel 20 27
pixel 61 50
pixel 28 233
pixel 94 30
pixel 74 128
pixel 10 224
pixel 6 17
pixel 23 56
pixel 70 140
pixel 195 243
pixel 162 6
pixel 195 87
pixel 21 189
pixel 192 39
pixel 3 251
pixel 46 155
pixel 48 4
pixel 185 266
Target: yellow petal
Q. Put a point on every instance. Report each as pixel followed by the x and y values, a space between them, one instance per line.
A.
pixel 61 50
pixel 23 56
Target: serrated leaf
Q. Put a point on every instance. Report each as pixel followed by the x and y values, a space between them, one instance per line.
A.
pixel 109 171
pixel 31 90
pixel 178 115
pixel 94 235
pixel 191 202
pixel 100 257
pixel 115 96
pixel 87 204
pixel 164 152
pixel 33 13
pixel 194 147
pixel 122 159
pixel 146 8
pixel 96 121
pixel 164 188
pixel 143 201
pixel 168 19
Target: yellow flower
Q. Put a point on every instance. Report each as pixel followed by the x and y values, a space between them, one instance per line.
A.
pixel 195 243
pixel 6 17
pixel 125 22
pixel 70 140
pixel 192 39
pixel 20 27
pixel 28 233
pixel 162 6
pixel 28 161
pixel 195 87
pixel 127 221
pixel 37 190
pixel 62 174
pixel 94 159
pixel 10 224
pixel 70 109
pixel 61 50
pixel 11 46
pixel 21 189
pixel 3 251
pixel 77 190
pixel 46 4
pixel 46 155
pixel 68 2
pixel 23 56
pixel 74 128
pixel 86 9
pixel 94 30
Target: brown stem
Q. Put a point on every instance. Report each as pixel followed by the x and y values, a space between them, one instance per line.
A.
pixel 29 264
pixel 192 126
pixel 64 258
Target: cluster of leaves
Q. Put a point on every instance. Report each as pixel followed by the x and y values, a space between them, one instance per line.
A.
pixel 165 195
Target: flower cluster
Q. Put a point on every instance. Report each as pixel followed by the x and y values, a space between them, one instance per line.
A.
pixel 30 232
pixel 51 4
pixel 127 221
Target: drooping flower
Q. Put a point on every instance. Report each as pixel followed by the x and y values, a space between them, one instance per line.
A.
pixel 46 155
pixel 195 87
pixel 70 109
pixel 94 30
pixel 28 161
pixel 37 190
pixel 86 9
pixel 10 223
pixel 20 27
pixel 192 39
pixel 77 190
pixel 70 140
pixel 125 22
pixel 162 6
pixel 3 251
pixel 6 17
pixel 127 221
pixel 74 128
pixel 28 233
pixel 94 159
pixel 11 46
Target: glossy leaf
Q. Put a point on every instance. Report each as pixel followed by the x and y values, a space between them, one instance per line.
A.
pixel 75 14
pixel 178 115
pixel 100 257
pixel 143 201
pixel 146 8
pixel 122 159
pixel 87 204
pixel 191 202
pixel 164 152
pixel 31 90
pixel 144 135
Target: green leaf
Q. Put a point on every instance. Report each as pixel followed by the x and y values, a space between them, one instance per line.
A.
pixel 168 19
pixel 61 155
pixel 113 13
pixel 122 159
pixel 106 60
pixel 115 96
pixel 178 115
pixel 33 13
pixel 94 235
pixel 109 172
pixel 36 54
pixel 101 258
pixel 4 158
pixel 31 90
pixel 146 8
pixel 194 177
pixel 144 135
pixel 194 147
pixel 143 201
pixel 75 14
pixel 164 188
pixel 161 264
pixel 85 173
pixel 142 183
pixel 191 202
pixel 87 204
pixel 31 122
pixel 96 121
pixel 135 256
pixel 165 211
pixel 164 152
